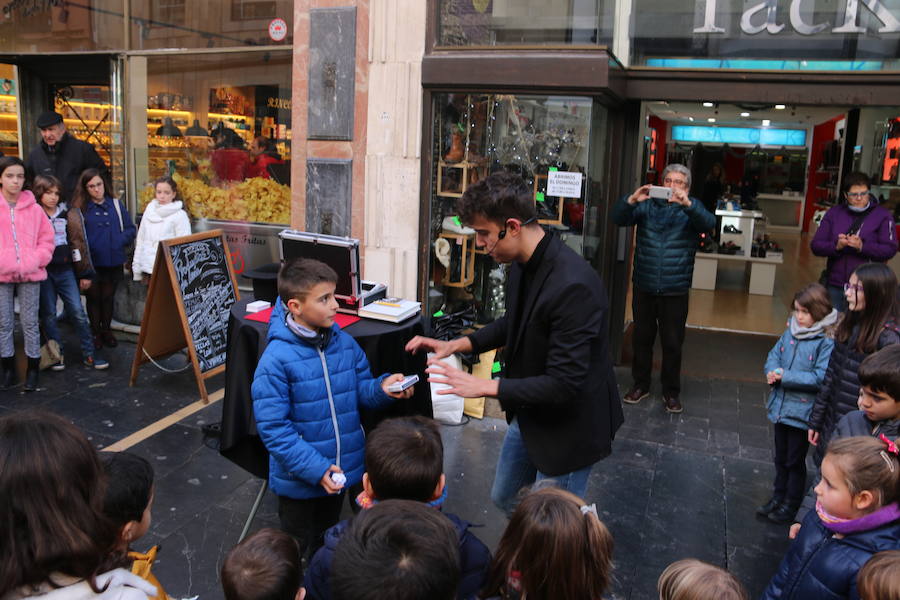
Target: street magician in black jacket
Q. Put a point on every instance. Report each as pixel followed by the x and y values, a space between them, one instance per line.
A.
pixel 61 155
pixel 558 390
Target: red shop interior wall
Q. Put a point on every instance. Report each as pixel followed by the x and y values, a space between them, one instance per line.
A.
pixel 823 133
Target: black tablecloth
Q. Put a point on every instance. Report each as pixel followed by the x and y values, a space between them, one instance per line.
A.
pixel 383 344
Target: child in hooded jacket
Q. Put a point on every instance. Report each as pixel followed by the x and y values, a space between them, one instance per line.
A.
pixel 26 246
pixel 163 219
pixel 795 368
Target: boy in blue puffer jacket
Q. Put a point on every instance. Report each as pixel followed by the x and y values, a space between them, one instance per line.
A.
pixel 307 390
pixel 795 369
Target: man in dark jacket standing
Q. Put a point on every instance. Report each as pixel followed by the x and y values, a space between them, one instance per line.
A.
pixel 61 155
pixel 558 390
pixel 667 239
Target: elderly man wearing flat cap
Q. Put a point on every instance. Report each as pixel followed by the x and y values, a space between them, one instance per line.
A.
pixel 62 155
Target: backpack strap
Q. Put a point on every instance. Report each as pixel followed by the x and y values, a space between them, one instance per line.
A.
pixel 119 213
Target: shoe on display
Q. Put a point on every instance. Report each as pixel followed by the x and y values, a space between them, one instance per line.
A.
pixel 672 404
pixel 60 365
pixel 731 229
pixel 769 506
pixel 635 395
pixel 454 225
pixel 96 362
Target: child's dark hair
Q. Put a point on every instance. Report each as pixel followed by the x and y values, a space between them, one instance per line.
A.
pixel 168 180
pixel 405 458
pixel 880 291
pixel 497 197
pixel 51 503
pixel 814 298
pixel 298 275
pixel 878 579
pixel 265 566
pixel 692 579
pixel 880 371
pixel 867 464
pixel 10 161
pixel 129 486
pixel 81 197
pixel 560 548
pixel 397 550
pixel 43 184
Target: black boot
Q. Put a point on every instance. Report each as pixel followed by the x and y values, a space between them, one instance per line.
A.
pixel 9 372
pixel 769 506
pixel 784 514
pixel 31 375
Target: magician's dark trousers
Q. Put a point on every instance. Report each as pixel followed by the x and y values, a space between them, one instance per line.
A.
pixel 666 315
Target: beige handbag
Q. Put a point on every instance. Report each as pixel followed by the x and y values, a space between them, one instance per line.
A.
pixel 50 354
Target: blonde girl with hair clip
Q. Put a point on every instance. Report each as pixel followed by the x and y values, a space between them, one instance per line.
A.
pixel 692 579
pixel 856 516
pixel 879 579
pixel 554 547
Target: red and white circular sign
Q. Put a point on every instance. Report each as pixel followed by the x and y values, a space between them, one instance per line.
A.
pixel 277 29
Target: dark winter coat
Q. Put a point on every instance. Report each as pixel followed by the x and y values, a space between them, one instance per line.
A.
pixel 558 380
pixel 66 161
pixel 878 236
pixel 474 562
pixel 71 248
pixel 667 240
pixel 109 232
pixel 840 391
pixel 821 566
pixel 853 424
pixel 306 401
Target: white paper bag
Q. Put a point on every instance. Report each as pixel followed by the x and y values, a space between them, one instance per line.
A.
pixel 448 408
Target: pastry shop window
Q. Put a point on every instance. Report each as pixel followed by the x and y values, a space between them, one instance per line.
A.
pixel 545 139
pixel 220 125
pixel 518 22
pixel 9 111
pixel 157 24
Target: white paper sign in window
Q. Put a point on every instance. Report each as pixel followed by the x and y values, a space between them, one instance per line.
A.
pixel 564 184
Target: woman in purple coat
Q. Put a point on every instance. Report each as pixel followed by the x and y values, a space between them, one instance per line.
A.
pixel 852 233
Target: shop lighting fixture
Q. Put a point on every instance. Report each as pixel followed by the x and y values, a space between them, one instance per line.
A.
pixel 766 122
pixel 708 104
pixel 711 119
pixel 691 119
pixel 745 114
pixel 780 107
pixel 195 130
pixel 168 129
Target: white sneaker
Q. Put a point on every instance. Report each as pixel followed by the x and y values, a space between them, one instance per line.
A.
pixel 59 366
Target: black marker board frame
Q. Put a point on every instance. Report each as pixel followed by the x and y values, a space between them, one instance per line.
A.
pixel 177 306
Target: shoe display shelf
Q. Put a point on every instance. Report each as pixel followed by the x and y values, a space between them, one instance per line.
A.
pixel 744 221
pixel 464 274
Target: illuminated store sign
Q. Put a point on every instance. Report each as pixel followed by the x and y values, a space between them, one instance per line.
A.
pixel 765 16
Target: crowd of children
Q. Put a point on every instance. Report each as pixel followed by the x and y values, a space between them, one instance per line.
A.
pixel 78 540
pixel 64 251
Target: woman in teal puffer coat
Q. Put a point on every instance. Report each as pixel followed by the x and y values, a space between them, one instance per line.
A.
pixel 795 369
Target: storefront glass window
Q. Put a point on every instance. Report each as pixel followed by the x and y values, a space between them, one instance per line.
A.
pixel 48 27
pixel 499 22
pixel 537 137
pixel 223 23
pixel 846 35
pixel 9 113
pixel 221 126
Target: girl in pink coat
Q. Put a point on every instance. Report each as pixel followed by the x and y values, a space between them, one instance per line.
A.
pixel 26 246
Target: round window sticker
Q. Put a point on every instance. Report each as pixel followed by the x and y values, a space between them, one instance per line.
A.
pixel 277 29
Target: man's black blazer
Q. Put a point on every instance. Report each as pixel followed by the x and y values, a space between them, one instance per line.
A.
pixel 559 379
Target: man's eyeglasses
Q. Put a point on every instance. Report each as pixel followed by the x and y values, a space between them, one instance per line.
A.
pixel 853 286
pixel 670 181
pixel 857 194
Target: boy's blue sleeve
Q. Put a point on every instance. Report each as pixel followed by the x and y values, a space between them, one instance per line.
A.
pixel 368 388
pixel 773 360
pixel 272 409
pixel 810 380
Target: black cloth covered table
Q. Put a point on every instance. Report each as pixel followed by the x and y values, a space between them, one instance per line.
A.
pixel 383 344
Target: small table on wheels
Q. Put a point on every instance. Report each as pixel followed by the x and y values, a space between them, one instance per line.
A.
pixel 383 344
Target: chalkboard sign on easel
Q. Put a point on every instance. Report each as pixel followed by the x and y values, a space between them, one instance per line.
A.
pixel 191 292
